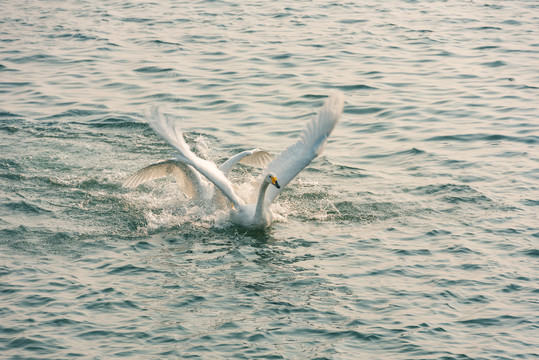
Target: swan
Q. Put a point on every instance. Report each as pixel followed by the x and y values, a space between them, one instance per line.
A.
pixel 276 175
pixel 190 180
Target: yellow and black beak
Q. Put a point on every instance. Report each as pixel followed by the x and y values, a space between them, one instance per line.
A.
pixel 274 182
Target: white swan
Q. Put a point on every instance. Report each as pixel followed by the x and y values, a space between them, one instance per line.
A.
pixel 284 167
pixel 190 180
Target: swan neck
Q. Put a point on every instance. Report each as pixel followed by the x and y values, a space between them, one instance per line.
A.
pixel 261 199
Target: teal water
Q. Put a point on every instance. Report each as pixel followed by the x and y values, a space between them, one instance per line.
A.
pixel 414 236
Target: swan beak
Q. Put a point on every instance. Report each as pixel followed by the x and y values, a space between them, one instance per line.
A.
pixel 274 182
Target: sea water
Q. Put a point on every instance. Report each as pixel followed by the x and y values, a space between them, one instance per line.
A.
pixel 413 236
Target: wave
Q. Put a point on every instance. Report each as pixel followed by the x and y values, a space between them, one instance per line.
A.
pixel 531 139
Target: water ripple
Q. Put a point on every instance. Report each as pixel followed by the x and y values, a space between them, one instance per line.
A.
pixel 413 231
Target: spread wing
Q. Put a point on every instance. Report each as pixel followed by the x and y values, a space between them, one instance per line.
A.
pixel 171 132
pixel 255 157
pixel 186 178
pixel 310 144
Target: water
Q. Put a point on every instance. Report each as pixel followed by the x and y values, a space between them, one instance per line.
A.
pixel 413 237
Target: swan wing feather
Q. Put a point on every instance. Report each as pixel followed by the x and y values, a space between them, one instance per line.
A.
pixel 184 175
pixel 171 132
pixel 310 144
pixel 256 158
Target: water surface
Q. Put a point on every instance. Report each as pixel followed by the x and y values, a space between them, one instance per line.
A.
pixel 414 236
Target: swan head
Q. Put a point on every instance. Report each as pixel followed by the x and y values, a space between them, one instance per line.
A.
pixel 272 179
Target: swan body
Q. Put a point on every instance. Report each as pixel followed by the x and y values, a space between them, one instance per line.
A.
pixel 257 215
pixel 277 173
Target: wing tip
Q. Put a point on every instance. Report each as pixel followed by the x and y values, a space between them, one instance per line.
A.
pixel 335 102
pixel 129 183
